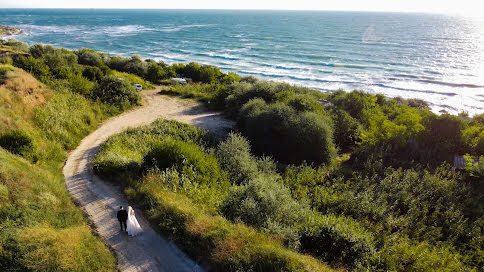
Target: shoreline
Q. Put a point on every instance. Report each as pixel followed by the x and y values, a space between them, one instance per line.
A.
pixel 458 105
pixel 7 31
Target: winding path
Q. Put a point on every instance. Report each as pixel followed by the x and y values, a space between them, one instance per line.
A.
pixel 100 200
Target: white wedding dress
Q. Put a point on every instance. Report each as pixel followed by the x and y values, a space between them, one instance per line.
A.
pixel 132 226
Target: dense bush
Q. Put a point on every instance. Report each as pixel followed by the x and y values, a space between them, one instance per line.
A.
pixel 244 92
pixel 36 67
pixel 278 130
pixel 186 158
pixel 336 239
pixel 39 50
pixel 20 143
pixel 347 131
pixel 116 92
pixel 92 73
pixel 80 84
pixel 87 56
pixel 205 73
pixel 264 202
pixel 235 158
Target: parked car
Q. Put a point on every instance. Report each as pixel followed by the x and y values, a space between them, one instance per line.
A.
pixel 138 87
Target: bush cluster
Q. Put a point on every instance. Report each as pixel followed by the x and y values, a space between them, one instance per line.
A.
pixel 288 136
pixel 117 92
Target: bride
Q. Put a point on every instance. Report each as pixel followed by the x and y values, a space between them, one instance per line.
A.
pixel 132 226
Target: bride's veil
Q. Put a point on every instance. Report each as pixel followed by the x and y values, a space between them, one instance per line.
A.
pixel 130 211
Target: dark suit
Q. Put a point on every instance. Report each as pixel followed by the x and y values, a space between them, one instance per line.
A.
pixel 122 217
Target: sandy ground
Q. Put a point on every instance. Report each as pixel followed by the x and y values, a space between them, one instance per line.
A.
pixel 101 200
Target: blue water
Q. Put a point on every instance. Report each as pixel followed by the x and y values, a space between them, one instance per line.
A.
pixel 437 58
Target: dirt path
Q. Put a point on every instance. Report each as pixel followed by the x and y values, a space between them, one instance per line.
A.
pixel 100 200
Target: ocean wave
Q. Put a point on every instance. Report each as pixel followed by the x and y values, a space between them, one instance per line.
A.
pixel 180 27
pixel 451 84
pixel 382 85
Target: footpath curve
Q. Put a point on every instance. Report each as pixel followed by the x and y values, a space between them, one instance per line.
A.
pixel 100 200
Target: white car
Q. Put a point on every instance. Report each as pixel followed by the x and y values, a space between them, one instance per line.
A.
pixel 138 87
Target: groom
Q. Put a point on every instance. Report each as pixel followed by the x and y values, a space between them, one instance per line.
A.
pixel 122 217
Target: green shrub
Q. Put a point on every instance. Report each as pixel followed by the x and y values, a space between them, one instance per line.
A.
pixel 20 143
pixel 405 255
pixel 245 92
pixel 336 239
pixel 302 103
pixel 39 50
pixel 265 203
pixel 80 84
pixel 235 158
pixel 87 56
pixel 290 137
pixel 36 67
pixel 347 131
pixel 116 92
pixel 121 156
pixel 92 73
pixel 187 159
pixel 62 63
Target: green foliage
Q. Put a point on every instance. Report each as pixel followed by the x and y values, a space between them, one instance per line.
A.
pixel 406 255
pixel 134 65
pixel 92 73
pixel 42 230
pixel 355 103
pixel 20 143
pixel 347 131
pixel 205 73
pixel 225 246
pixel 68 117
pixel 36 67
pixel 4 69
pixel 87 56
pixel 235 158
pixel 336 239
pixel 39 50
pixel 290 137
pixel 244 92
pixel 156 72
pixel 473 137
pixel 445 132
pixel 212 94
pixel 188 159
pixel 80 84
pixel 116 92
pixel 265 203
pixel 133 79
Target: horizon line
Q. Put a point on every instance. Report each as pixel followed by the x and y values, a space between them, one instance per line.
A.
pixel 242 9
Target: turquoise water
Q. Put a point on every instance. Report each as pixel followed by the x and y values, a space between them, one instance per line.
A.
pixel 437 58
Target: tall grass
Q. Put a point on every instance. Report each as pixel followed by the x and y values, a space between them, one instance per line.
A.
pixel 40 227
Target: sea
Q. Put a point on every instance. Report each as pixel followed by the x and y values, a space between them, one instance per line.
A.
pixel 434 57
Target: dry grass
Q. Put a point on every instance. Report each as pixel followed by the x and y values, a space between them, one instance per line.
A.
pixel 63 250
pixel 20 94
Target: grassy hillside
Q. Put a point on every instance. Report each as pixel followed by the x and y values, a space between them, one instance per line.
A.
pixel 41 227
pixel 45 110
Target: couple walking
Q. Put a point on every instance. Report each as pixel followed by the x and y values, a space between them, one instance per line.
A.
pixel 127 219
